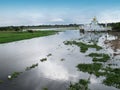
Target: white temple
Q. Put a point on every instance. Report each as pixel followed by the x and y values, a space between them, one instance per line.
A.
pixel 94 26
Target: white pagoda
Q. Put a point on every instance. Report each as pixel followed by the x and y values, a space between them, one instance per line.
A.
pixel 94 26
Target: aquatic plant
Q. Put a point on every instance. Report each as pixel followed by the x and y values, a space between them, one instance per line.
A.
pixel 62 59
pixel 83 46
pixel 112 77
pixel 95 68
pixel 101 57
pixel 14 75
pixel 112 64
pixel 95 55
pixel 43 59
pixel 81 85
pixel 112 74
pixel 112 80
pixel 33 66
pixel 99 60
pixel 49 55
pixel 45 88
pixel 1 81
pixel 90 68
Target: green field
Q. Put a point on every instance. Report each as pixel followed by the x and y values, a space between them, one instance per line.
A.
pixel 6 37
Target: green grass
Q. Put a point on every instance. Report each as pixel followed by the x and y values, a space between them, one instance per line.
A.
pixel 81 85
pixel 15 36
pixel 99 57
pixel 33 66
pixel 83 47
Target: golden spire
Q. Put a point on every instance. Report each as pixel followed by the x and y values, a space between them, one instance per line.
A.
pixel 94 19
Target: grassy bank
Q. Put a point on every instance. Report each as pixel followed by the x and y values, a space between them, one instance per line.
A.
pixel 15 36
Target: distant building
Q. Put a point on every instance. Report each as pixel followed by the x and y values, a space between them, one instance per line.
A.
pixel 94 26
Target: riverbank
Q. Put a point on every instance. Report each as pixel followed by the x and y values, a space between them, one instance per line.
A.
pixel 6 37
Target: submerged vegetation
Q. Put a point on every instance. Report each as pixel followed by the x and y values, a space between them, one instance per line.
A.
pixel 97 68
pixel 49 55
pixel 33 66
pixel 81 85
pixel 14 75
pixel 1 81
pixel 100 57
pixel 83 47
pixel 43 59
pixel 15 36
pixel 112 75
pixel 62 59
pixel 90 68
pixel 45 88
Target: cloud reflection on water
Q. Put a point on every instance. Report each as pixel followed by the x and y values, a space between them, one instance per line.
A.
pixel 55 71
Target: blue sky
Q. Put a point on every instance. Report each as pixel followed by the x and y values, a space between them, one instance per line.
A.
pixel 36 12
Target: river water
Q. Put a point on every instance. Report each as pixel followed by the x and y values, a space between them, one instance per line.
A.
pixel 60 68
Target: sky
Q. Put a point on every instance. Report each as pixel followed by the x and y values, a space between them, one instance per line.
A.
pixel 39 12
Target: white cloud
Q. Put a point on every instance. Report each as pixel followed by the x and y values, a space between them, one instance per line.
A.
pixel 30 19
pixel 57 20
pixel 109 16
pixel 54 71
pixel 61 17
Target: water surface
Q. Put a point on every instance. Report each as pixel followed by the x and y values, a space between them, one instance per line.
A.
pixel 60 68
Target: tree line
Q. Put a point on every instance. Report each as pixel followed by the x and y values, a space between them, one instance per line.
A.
pixel 12 28
pixel 115 27
pixel 20 28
